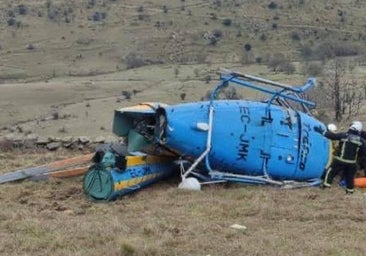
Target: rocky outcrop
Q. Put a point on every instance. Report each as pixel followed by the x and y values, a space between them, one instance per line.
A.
pixel 29 141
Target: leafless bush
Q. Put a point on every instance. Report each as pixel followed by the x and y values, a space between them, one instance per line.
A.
pixel 306 52
pixel 140 9
pixel 276 61
pixel 312 69
pixel 6 145
pixel 273 5
pixel 11 22
pixel 229 93
pixel 183 96
pixel 227 22
pixel 126 94
pixel 208 79
pixel 55 115
pixel 295 36
pixel 22 9
pixel 30 47
pixel 330 49
pixel 339 91
pixel 134 61
pixel 165 9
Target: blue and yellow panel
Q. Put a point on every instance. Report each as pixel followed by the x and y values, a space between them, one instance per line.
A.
pixel 108 184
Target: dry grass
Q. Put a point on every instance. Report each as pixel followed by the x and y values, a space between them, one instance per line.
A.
pixel 53 218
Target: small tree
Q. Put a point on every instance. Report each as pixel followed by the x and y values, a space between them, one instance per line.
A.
pixel 183 96
pixel 345 92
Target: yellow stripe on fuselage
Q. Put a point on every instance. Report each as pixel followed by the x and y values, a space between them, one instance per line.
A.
pixel 132 182
pixel 138 160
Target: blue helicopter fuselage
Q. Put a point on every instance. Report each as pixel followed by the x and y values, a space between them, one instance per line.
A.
pixel 249 138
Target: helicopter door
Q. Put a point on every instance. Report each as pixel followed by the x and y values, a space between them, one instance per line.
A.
pixel 284 143
pixel 314 149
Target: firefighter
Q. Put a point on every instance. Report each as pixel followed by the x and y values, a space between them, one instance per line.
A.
pixel 351 144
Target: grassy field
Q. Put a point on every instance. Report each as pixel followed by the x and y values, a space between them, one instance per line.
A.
pixel 79 58
pixel 54 218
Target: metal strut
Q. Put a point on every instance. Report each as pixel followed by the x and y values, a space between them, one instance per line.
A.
pixel 208 145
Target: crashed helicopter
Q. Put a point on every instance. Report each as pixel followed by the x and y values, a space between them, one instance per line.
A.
pixel 254 142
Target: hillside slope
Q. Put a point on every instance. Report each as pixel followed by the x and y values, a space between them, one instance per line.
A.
pixel 47 38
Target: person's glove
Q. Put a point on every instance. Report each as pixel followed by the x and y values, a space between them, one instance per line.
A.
pixel 319 129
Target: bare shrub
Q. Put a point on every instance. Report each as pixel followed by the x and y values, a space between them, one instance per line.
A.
pixel 11 13
pixel 217 33
pixel 22 9
pixel 134 61
pixel 126 94
pixel 306 52
pixel 343 92
pixel 30 47
pixel 183 96
pixel 295 36
pixel 11 22
pixel 55 115
pixel 247 47
pixel 217 3
pixel 272 5
pixel 6 145
pixel 276 61
pixel 227 22
pixel 329 49
pixel 140 9
pixel 208 79
pixel 213 40
pixel 135 91
pixel 98 16
pixel 288 68
pixel 165 9
pixel 90 4
pixel 229 93
pixel 313 69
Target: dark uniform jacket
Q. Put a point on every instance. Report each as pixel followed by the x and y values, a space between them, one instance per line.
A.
pixel 351 144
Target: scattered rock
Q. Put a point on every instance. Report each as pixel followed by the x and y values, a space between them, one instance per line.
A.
pixel 83 140
pixel 67 139
pixel 54 139
pixel 30 140
pixel 42 141
pixel 53 145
